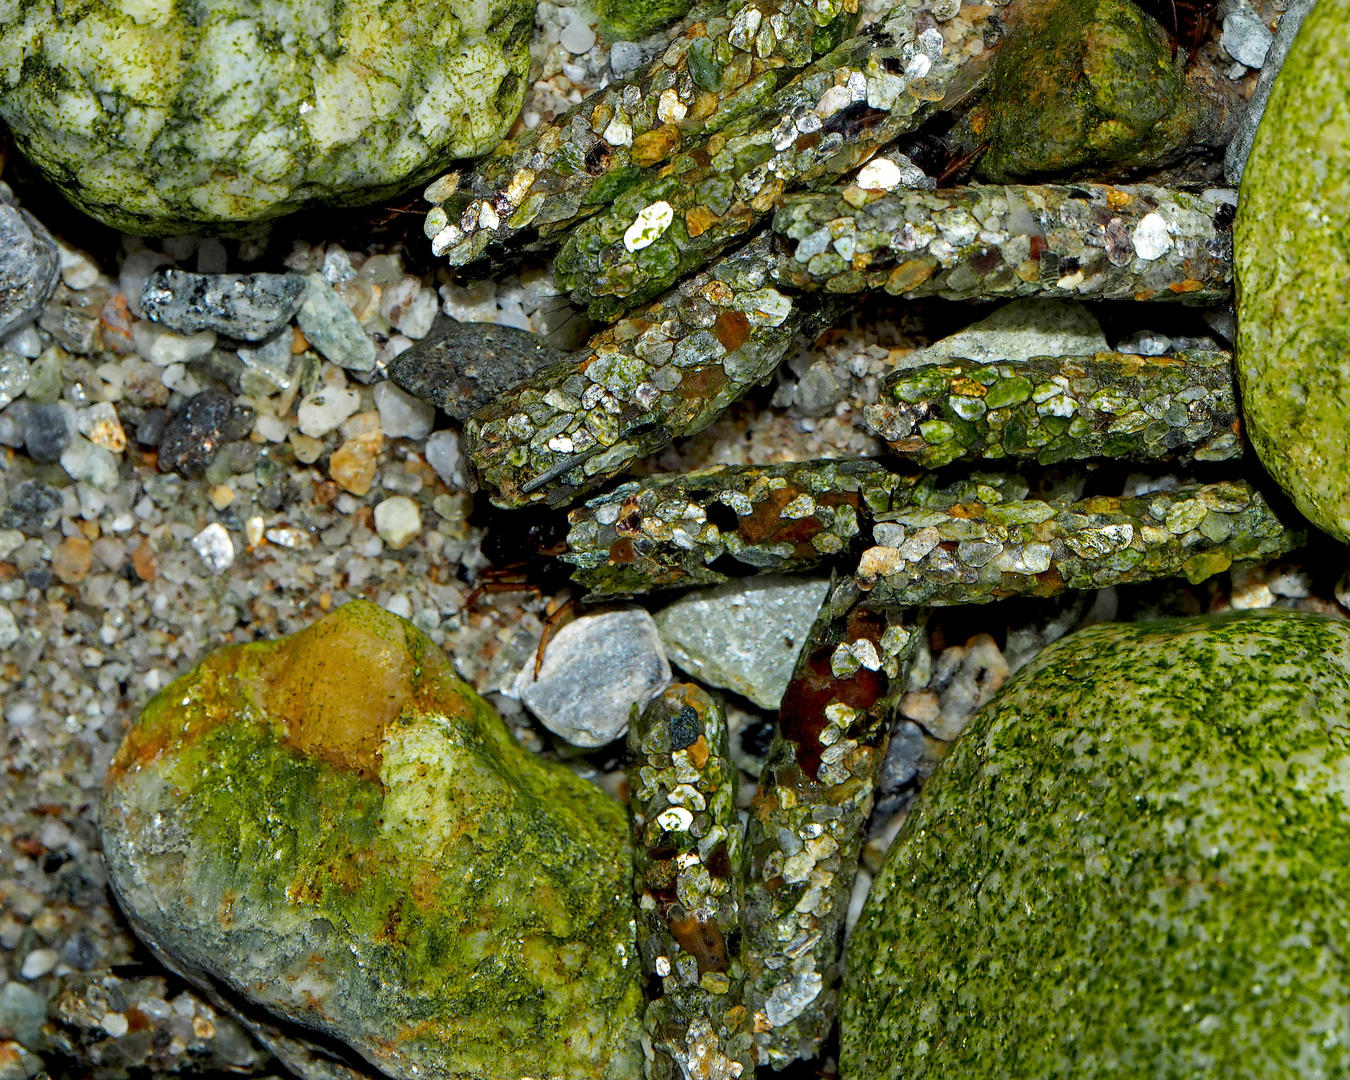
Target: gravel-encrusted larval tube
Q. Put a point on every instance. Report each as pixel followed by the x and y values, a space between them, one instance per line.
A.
pixel 688 877
pixel 729 59
pixel 983 546
pixel 1098 241
pixel 877 85
pixel 971 541
pixel 663 373
pixel 806 822
pixel 702 528
pixel 1056 408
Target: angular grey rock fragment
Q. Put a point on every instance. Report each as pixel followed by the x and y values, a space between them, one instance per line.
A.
pixel 595 670
pixel 460 367
pixel 271 359
pixel 743 636
pixel 1235 159
pixel 1245 37
pixel 29 267
pixel 1020 330
pixel 332 328
pixel 247 307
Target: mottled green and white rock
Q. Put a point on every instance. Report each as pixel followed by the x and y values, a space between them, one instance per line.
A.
pixel 160 118
pixel 1291 248
pixel 339 830
pixel 1019 330
pixel 1136 862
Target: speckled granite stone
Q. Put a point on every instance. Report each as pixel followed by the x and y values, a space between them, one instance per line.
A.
pixel 160 119
pixel 1135 862
pixel 338 829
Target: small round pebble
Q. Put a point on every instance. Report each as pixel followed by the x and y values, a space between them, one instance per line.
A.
pixel 215 547
pixel 71 559
pixel 442 454
pixel 397 521
pixel 144 561
pixel 401 414
pixel 325 409
pixel 39 962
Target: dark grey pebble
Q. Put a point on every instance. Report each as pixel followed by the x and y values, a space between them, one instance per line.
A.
pixel 46 434
pixel 197 430
pixel 460 367
pixel 247 307
pixel 28 267
pixel 39 577
pixel 33 508
pixel 150 430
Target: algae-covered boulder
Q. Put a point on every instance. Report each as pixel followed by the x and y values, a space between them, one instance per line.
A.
pixel 159 117
pixel 1135 863
pixel 1291 249
pixel 336 828
pixel 1086 86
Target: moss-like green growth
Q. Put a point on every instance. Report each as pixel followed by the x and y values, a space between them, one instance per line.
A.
pixel 1082 85
pixel 1291 250
pixel 1135 863
pixel 624 20
pixel 339 829
pixel 160 117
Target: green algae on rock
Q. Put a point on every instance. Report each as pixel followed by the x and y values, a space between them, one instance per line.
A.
pixel 1292 260
pixel 159 118
pixel 1083 86
pixel 1135 862
pixel 338 829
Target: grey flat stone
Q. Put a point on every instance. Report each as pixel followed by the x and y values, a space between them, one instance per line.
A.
pixel 595 670
pixel 460 367
pixel 332 328
pixel 743 636
pixel 1235 159
pixel 28 267
pixel 247 307
pixel 1020 330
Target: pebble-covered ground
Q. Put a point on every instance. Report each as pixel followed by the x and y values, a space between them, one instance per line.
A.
pixel 310 486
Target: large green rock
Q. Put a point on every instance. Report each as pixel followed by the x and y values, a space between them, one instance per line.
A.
pixel 1085 86
pixel 161 117
pixel 339 830
pixel 1291 249
pixel 1135 863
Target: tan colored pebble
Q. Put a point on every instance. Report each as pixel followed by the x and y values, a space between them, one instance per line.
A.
pixel 72 559
pixel 144 561
pixel 363 423
pixel 221 496
pixel 307 449
pixel 352 465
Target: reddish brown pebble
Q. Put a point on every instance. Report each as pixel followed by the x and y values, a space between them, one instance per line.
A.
pixel 72 559
pixel 144 561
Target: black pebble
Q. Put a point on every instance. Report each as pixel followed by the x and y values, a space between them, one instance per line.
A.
pixel 197 430
pixel 46 433
pixel 460 367
pixel 684 728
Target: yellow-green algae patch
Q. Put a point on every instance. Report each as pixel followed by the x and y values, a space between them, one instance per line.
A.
pixel 1291 256
pixel 1135 863
pixel 339 829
